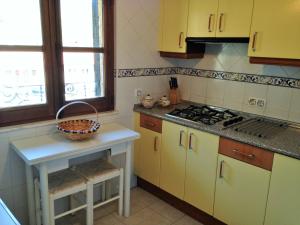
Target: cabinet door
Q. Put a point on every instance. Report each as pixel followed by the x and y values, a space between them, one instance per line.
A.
pixel 234 18
pixel 283 206
pixel 149 156
pixel 275 30
pixel 201 166
pixel 174 25
pixel 241 192
pixel 202 18
pixel 173 157
pixel 136 144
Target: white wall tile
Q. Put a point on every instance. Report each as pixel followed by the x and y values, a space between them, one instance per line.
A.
pixel 198 86
pixel 215 89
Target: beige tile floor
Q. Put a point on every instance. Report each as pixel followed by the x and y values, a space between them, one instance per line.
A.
pixel 146 209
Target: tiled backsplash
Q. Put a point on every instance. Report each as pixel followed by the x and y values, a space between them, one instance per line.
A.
pixel 281 102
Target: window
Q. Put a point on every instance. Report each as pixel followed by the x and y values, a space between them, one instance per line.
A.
pixel 53 52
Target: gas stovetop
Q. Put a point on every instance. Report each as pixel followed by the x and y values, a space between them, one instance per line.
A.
pixel 206 114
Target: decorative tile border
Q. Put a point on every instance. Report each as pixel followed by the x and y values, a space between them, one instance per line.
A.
pixel 147 72
pixel 240 77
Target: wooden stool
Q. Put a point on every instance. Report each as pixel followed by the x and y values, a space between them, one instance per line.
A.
pixel 96 172
pixel 66 183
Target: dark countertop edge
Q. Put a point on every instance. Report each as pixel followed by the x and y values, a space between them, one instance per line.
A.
pixel 215 132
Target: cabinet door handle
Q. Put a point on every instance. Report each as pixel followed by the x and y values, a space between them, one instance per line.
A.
pixel 180 138
pixel 180 39
pixel 249 156
pixel 254 42
pixel 155 144
pixel 221 22
pixel 209 22
pixel 190 141
pixel 221 169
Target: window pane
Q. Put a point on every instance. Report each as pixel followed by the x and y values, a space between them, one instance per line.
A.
pixel 83 75
pixel 20 22
pixel 81 22
pixel 22 79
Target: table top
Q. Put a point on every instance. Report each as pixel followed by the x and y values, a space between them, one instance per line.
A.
pixel 40 149
pixel 6 217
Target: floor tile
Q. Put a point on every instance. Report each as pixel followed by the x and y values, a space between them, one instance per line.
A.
pixel 186 220
pixel 146 216
pixel 167 211
pixel 108 220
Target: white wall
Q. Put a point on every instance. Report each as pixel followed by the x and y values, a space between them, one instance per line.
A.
pixel 281 102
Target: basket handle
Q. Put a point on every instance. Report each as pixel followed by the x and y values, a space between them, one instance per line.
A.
pixel 73 103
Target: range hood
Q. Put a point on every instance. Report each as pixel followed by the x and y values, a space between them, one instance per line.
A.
pixel 214 40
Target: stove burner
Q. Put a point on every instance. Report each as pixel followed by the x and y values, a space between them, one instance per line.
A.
pixel 204 114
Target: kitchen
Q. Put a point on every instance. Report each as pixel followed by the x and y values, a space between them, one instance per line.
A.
pixel 223 77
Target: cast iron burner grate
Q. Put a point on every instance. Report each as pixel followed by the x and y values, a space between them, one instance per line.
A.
pixel 204 114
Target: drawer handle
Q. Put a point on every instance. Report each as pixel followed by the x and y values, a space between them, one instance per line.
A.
pixel 249 156
pixel 180 138
pixel 221 169
pixel 149 124
pixel 254 42
pixel 155 144
pixel 209 22
pixel 221 22
pixel 180 40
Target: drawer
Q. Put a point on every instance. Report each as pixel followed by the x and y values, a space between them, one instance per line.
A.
pixel 246 153
pixel 151 123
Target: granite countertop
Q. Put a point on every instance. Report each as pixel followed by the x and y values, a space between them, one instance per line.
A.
pixel 287 142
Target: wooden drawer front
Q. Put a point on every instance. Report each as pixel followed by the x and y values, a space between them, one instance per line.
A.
pixel 246 153
pixel 151 123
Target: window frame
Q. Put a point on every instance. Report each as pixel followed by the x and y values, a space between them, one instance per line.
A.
pixel 53 65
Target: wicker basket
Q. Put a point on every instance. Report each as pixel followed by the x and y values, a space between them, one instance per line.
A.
pixel 78 129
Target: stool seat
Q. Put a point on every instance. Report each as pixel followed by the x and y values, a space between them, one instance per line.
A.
pixel 96 169
pixel 64 180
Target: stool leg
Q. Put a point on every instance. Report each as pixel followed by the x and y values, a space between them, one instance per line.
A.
pixel 121 184
pixel 51 210
pixel 103 193
pixel 90 204
pixel 37 197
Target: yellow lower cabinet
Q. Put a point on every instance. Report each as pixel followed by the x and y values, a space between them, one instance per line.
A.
pixel 149 155
pixel 173 157
pixel 201 166
pixel 241 192
pixel 136 166
pixel 283 206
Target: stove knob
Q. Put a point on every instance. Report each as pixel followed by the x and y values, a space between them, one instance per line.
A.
pixel 227 123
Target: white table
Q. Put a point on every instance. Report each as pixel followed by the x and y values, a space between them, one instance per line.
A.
pixel 52 152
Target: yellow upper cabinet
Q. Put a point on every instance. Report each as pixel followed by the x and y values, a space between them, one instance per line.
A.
pixel 219 18
pixel 202 18
pixel 201 166
pixel 234 18
pixel 275 30
pixel 283 206
pixel 173 27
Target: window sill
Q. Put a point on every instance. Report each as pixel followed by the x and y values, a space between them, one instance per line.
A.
pixel 103 117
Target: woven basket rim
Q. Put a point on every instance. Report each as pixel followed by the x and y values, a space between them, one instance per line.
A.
pixel 95 126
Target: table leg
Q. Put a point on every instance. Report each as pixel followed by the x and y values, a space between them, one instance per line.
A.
pixel 44 193
pixel 127 181
pixel 30 195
